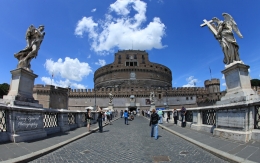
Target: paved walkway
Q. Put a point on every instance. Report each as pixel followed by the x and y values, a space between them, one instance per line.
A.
pixel 131 143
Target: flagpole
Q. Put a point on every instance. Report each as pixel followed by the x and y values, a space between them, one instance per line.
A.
pixel 210 73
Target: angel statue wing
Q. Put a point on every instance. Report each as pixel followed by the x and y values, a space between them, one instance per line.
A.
pixel 229 18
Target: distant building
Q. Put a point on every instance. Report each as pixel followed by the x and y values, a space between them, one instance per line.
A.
pixel 51 97
pixel 133 75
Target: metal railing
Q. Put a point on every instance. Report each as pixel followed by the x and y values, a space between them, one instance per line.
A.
pixel 71 118
pixel 50 120
pixel 189 116
pixel 209 117
pixel 257 117
pixel 2 120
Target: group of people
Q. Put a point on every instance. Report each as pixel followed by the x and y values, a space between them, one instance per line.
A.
pixel 156 117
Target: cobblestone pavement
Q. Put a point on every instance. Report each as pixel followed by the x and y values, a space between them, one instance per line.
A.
pixel 130 143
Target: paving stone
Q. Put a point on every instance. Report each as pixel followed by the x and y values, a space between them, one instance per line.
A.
pixel 247 151
pixel 129 143
pixel 255 156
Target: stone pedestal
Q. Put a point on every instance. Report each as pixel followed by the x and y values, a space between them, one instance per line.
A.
pixel 238 85
pixel 111 107
pixel 21 89
pixel 152 107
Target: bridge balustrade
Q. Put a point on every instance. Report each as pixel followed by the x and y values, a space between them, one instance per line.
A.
pixel 17 122
pixel 2 120
pixel 257 117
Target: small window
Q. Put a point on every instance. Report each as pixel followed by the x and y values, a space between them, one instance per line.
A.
pixel 127 56
pixel 187 98
pixel 191 98
pixel 135 63
pixel 135 57
pixel 160 96
pixel 131 64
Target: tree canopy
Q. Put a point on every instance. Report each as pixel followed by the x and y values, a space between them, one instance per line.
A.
pixel 255 82
pixel 4 88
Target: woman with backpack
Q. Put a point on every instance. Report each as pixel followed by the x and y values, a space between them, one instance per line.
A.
pixel 154 123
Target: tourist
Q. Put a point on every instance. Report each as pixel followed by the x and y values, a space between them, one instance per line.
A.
pixel 126 115
pixel 175 116
pixel 148 113
pixel 121 113
pixel 143 112
pixel 108 117
pixel 88 119
pixel 99 118
pixel 154 123
pixel 183 113
pixel 160 113
pixel 168 116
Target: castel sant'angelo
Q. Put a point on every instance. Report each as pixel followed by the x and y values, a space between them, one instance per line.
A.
pixel 131 78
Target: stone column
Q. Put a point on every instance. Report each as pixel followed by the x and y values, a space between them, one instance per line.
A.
pixel 79 119
pixel 63 121
pixel 197 120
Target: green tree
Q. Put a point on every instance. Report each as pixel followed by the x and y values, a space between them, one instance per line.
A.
pixel 4 88
pixel 255 82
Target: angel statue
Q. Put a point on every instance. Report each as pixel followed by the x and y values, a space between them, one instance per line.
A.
pixel 223 32
pixel 110 98
pixel 34 37
pixel 226 37
pixel 151 97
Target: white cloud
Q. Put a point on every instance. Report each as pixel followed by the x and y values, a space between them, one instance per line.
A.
pixel 89 56
pixel 191 82
pixel 86 25
pixel 224 84
pixel 71 69
pixel 62 83
pixel 123 31
pixel 249 70
pixel 101 62
pixel 93 10
pixel 223 77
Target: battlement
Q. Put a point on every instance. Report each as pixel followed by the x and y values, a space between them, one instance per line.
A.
pixel 41 87
pixel 213 81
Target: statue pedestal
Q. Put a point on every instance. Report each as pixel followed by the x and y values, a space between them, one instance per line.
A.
pixel 21 89
pixel 152 107
pixel 238 85
pixel 111 107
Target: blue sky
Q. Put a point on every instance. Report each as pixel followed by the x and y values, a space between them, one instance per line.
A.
pixel 83 35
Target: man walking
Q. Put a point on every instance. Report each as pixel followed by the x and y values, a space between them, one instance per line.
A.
pixel 154 123
pixel 126 115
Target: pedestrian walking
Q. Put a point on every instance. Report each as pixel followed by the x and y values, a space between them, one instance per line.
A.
pixel 100 119
pixel 88 119
pixel 143 112
pixel 121 113
pixel 126 115
pixel 175 116
pixel 183 119
pixel 168 116
pixel 160 113
pixel 108 117
pixel 154 124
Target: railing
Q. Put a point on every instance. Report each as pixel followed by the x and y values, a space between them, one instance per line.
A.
pixel 257 117
pixel 189 116
pixel 50 120
pixel 71 118
pixel 2 120
pixel 209 117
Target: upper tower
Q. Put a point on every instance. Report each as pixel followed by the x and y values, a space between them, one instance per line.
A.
pixel 132 68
